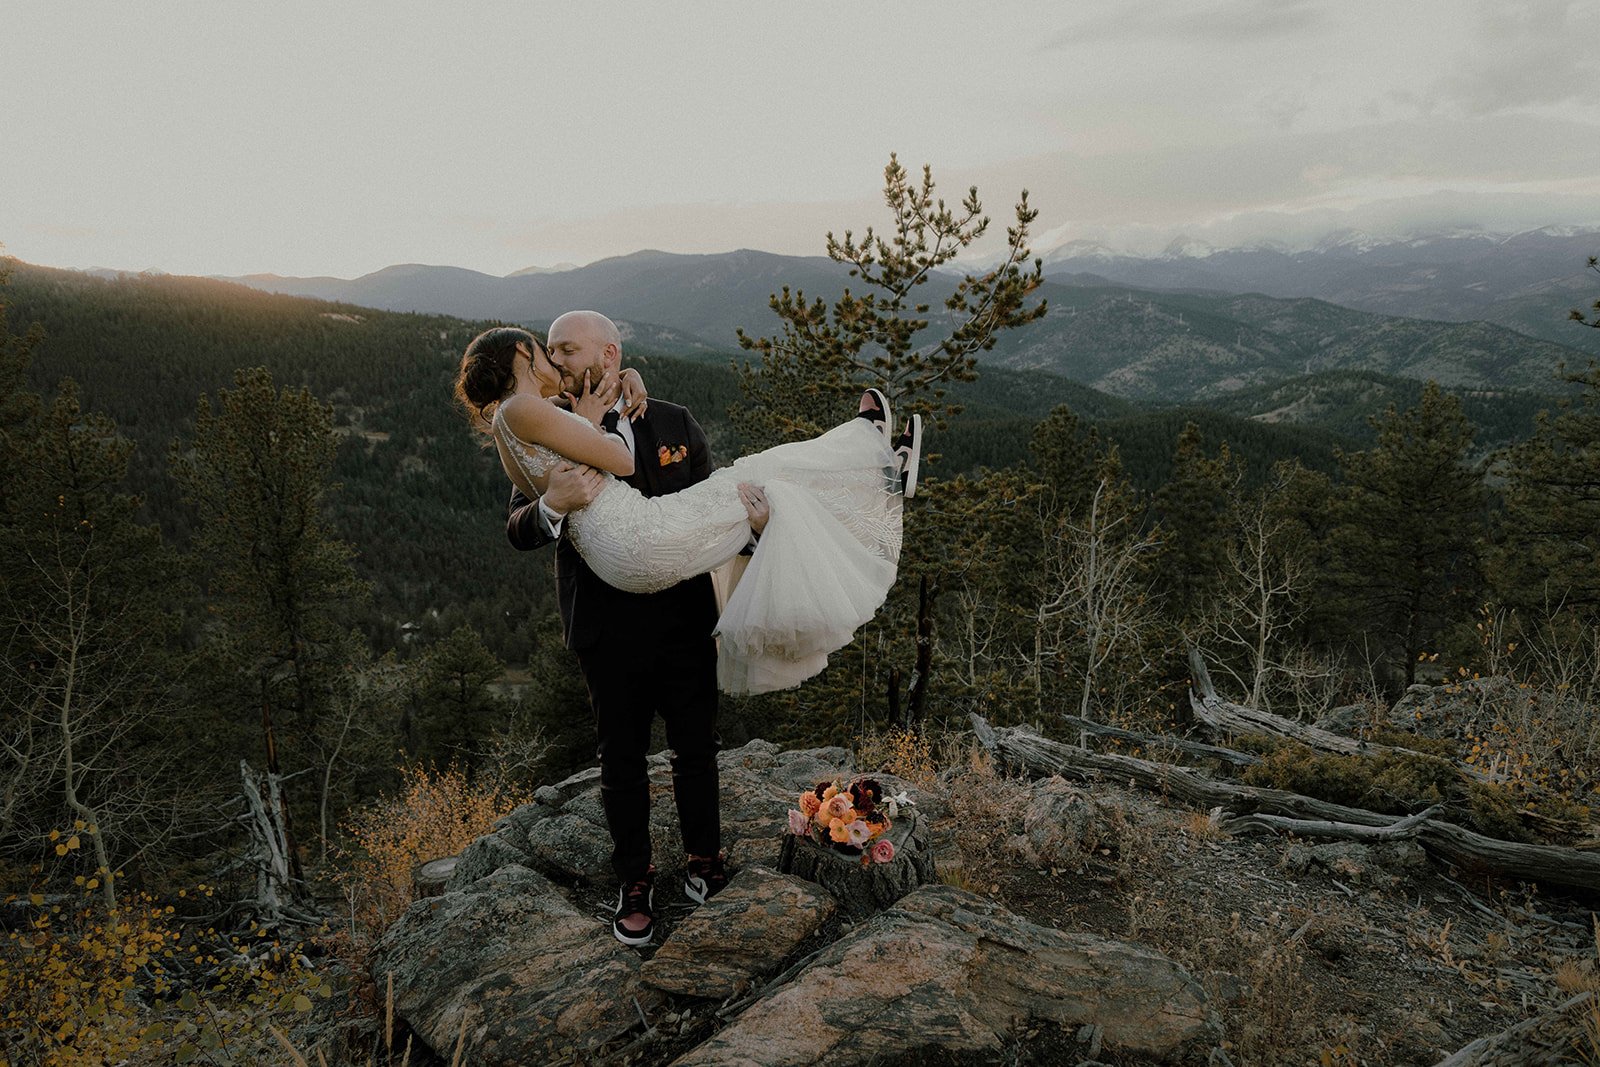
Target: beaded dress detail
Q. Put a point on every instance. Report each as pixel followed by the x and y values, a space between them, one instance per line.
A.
pixel 822 568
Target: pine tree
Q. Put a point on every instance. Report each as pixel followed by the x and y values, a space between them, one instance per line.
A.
pixel 810 374
pixel 1546 561
pixel 455 707
pixel 1406 551
pixel 257 473
pixel 1193 510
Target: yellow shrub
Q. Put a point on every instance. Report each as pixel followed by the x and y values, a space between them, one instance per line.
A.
pixel 86 985
pixel 434 814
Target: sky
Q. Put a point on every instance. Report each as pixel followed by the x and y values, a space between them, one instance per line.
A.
pixel 217 137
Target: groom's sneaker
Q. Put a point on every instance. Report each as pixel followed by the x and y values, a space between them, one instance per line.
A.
pixel 875 409
pixel 908 455
pixel 635 920
pixel 705 878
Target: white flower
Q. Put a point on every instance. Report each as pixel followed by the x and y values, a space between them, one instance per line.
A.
pixel 896 802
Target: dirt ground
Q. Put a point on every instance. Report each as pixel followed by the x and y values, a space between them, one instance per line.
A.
pixel 1349 959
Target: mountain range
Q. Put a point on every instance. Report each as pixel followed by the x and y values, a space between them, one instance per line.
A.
pixel 1191 324
pixel 1524 281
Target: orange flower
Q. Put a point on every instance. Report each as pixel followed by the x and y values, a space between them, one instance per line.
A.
pixel 838 807
pixel 839 830
pixel 809 803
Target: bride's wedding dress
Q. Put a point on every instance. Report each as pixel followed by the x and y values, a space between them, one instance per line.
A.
pixel 822 568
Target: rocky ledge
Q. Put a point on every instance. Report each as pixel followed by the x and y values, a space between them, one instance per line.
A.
pixel 514 962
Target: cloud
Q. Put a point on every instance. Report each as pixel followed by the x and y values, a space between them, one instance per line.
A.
pixel 1228 21
pixel 1523 56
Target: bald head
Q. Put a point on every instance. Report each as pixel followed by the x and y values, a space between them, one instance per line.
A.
pixel 584 341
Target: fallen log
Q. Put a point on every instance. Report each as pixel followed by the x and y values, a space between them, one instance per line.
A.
pixel 1401 829
pixel 1226 717
pixel 1546 1040
pixel 1177 744
pixel 1548 864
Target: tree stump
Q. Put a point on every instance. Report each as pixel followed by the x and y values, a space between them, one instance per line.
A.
pixel 428 879
pixel 864 891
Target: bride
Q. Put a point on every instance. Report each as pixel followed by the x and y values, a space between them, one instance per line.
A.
pixel 822 566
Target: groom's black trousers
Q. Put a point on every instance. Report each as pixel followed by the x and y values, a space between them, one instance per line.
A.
pixel 673 675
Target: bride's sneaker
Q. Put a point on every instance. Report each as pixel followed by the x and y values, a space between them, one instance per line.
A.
pixel 635 920
pixel 705 878
pixel 875 409
pixel 908 455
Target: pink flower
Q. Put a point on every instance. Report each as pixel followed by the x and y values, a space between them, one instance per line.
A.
pixel 883 851
pixel 860 833
pixel 837 806
pixel 799 825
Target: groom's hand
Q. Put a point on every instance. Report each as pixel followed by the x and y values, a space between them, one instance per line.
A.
pixel 756 507
pixel 572 486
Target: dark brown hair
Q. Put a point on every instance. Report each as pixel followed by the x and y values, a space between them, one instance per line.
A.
pixel 487 373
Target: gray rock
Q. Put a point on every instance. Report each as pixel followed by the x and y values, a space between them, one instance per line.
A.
pixel 526 971
pixel 570 846
pixel 484 856
pixel 742 934
pixel 1061 827
pixel 1456 708
pixel 1348 720
pixel 946 971
pixel 1383 865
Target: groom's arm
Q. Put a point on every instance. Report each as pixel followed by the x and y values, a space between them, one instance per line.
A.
pixel 535 523
pixel 526 528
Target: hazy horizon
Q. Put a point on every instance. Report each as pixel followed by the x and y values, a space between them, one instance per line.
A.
pixel 300 140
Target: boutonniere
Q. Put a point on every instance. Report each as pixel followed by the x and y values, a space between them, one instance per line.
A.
pixel 669 456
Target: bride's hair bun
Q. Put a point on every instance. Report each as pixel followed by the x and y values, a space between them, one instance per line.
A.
pixel 487 372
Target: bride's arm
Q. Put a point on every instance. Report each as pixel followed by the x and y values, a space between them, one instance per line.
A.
pixel 635 398
pixel 537 422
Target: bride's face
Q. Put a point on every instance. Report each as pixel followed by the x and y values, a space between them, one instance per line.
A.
pixel 545 375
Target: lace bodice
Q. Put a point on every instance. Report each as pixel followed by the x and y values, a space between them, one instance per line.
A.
pixel 535 460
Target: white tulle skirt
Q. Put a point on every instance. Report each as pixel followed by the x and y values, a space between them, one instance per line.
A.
pixel 821 569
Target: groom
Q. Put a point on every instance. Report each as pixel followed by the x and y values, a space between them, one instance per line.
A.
pixel 641 654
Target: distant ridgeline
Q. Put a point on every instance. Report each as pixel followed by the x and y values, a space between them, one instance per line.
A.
pixel 422 501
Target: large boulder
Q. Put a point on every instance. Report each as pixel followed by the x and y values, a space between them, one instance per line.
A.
pixel 947 974
pixel 742 934
pixel 510 968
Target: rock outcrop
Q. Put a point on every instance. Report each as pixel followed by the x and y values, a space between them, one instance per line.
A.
pixel 945 971
pixel 507 964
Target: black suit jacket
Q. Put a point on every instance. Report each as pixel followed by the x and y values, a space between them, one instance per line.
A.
pixel 670 453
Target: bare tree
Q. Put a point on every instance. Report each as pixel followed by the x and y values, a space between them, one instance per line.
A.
pixel 1098 603
pixel 86 669
pixel 1262 595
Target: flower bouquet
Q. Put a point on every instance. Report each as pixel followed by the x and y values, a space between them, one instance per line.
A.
pixel 851 819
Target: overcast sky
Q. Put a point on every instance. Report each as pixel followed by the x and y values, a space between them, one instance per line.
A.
pixel 340 137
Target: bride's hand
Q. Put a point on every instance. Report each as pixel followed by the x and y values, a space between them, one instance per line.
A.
pixel 635 400
pixel 591 401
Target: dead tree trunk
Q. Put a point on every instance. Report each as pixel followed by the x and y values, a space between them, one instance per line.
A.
pixel 263 797
pixel 1226 717
pixel 1549 864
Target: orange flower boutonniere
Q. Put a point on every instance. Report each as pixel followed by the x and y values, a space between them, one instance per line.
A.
pixel 669 456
